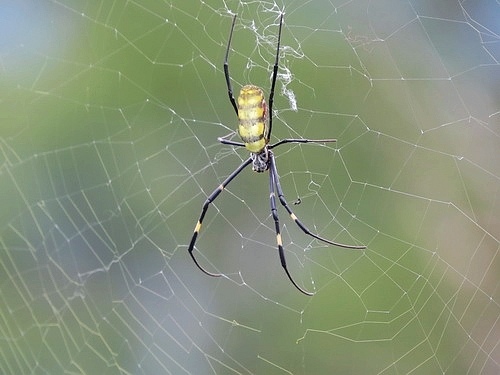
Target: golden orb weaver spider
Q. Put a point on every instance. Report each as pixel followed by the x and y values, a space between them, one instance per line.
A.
pixel 255 131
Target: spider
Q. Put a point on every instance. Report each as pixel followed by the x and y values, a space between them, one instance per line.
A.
pixel 254 129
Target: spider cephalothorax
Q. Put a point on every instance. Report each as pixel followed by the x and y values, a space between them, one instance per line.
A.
pixel 260 160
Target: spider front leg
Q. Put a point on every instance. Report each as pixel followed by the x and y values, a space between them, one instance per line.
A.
pixel 281 196
pixel 272 198
pixel 204 209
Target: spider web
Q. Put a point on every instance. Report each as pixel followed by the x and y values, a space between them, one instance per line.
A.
pixel 110 115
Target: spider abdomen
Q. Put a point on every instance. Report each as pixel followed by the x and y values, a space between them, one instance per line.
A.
pixel 252 115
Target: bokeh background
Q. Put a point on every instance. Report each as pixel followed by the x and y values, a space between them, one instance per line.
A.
pixel 109 118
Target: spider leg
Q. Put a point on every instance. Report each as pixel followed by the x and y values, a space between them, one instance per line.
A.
pixel 226 69
pixel 274 211
pixel 273 81
pixel 230 142
pixel 281 196
pixel 204 209
pixel 301 140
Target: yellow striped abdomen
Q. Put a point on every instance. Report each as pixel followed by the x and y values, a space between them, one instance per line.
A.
pixel 252 114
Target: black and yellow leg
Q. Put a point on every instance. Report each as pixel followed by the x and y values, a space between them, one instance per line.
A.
pixel 204 209
pixel 279 190
pixel 226 70
pixel 301 140
pixel 274 211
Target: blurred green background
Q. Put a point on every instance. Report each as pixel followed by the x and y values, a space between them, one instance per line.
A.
pixel 110 113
